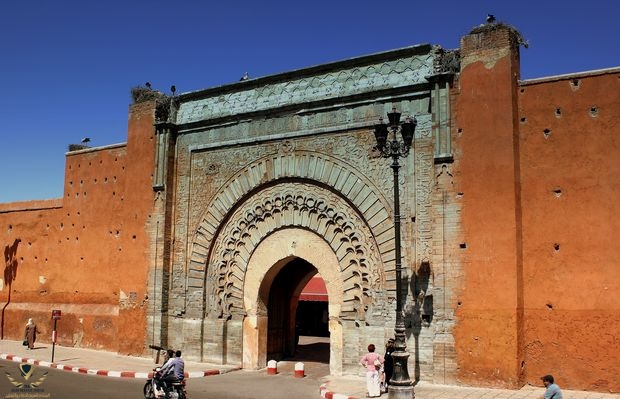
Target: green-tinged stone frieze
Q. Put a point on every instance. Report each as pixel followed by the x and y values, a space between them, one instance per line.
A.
pixel 404 71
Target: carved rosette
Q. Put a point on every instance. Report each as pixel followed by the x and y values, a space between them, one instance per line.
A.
pixel 304 206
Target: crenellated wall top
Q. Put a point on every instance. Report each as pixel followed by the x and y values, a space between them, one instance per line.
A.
pixel 385 71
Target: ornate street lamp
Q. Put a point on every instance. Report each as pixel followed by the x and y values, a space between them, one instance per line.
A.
pixel 400 384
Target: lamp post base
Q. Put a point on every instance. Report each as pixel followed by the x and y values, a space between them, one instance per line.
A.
pixel 401 386
pixel 401 392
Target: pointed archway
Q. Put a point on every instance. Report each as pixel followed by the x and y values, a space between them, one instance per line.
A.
pixel 298 254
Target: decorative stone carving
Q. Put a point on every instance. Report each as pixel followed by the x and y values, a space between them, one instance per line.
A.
pixel 360 187
pixel 423 211
pixel 408 70
pixel 294 205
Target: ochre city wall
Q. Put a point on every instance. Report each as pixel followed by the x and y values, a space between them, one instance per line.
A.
pixel 570 174
pixel 487 327
pixel 536 168
pixel 86 253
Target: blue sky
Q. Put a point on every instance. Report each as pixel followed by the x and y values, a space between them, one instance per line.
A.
pixel 67 66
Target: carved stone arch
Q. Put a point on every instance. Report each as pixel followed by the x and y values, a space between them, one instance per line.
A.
pixel 267 260
pixel 353 187
pixel 303 206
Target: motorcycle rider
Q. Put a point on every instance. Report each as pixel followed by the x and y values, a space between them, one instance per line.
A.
pixel 160 374
pixel 167 356
pixel 174 370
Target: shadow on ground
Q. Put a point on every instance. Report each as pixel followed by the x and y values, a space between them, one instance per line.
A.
pixel 313 352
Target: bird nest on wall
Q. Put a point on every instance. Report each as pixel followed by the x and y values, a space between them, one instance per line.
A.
pixel 77 147
pixel 141 94
pixel 490 27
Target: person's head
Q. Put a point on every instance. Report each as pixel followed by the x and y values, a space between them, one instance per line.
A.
pixel 178 354
pixel 547 379
pixel 371 348
pixel 390 343
pixel 170 353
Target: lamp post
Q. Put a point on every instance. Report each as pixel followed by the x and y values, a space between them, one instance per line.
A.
pixel 400 384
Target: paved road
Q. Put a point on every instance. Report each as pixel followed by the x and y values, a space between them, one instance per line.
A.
pixel 237 385
pixel 59 384
pixel 253 385
pixel 72 383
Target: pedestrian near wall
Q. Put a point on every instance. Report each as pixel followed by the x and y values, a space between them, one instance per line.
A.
pixel 553 390
pixel 30 333
pixel 388 365
pixel 373 363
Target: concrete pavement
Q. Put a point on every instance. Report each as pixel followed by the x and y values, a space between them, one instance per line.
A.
pixel 87 361
pixel 354 388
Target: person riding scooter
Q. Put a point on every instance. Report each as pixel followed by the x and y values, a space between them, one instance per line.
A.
pixel 174 370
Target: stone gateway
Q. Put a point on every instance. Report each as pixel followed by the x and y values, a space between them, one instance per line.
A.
pixel 201 232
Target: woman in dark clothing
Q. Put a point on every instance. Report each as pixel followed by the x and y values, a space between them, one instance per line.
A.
pixel 388 366
pixel 30 334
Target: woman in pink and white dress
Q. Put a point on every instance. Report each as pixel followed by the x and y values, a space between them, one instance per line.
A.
pixel 372 362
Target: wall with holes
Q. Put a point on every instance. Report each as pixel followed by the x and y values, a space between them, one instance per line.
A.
pixel 536 176
pixel 85 253
pixel 570 175
pixel 486 334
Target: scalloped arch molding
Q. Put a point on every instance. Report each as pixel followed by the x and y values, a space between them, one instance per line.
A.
pixel 338 222
pixel 350 216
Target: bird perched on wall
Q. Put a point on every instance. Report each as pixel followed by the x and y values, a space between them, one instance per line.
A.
pixel 85 140
pixel 245 76
pixel 173 89
pixel 490 18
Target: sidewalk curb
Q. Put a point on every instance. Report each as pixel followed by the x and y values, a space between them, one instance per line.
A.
pixel 332 395
pixel 108 373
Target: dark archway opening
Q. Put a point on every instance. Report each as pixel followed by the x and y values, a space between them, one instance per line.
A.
pixel 297 329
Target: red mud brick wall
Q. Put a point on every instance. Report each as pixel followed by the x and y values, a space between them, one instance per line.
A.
pixel 86 253
pixel 487 340
pixel 570 174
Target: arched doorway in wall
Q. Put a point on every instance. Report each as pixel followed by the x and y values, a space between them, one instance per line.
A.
pixel 277 273
pixel 291 319
pixel 312 310
pixel 312 322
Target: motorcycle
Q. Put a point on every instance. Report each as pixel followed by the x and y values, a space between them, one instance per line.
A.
pixel 156 388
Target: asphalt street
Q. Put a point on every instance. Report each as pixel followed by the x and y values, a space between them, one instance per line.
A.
pixel 237 385
pixel 60 384
pixel 92 374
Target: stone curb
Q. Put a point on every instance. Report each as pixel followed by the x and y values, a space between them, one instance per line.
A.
pixel 107 373
pixel 332 395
